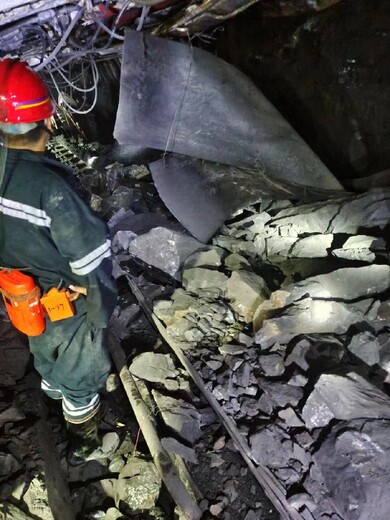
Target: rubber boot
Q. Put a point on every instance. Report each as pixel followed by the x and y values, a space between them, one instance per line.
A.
pixel 83 440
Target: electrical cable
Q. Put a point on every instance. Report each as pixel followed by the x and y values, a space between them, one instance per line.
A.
pixel 63 101
pixel 60 66
pixel 107 29
pixel 62 41
pixel 142 18
pixel 72 83
pixel 118 17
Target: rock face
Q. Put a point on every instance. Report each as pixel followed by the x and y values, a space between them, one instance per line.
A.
pixel 355 463
pixel 346 398
pixel 290 61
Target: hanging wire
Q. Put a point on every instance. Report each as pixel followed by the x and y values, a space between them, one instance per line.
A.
pixel 62 41
pixel 71 67
pixel 61 96
pixel 144 14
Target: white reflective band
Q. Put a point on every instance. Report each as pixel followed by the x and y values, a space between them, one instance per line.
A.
pixel 24 212
pixel 77 412
pixel 92 260
pixel 46 386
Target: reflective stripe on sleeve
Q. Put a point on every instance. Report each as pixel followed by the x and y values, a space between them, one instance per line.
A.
pixel 24 212
pixel 92 260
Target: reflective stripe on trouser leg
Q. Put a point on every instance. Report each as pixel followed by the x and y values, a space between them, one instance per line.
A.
pixel 50 391
pixel 72 355
pixel 80 414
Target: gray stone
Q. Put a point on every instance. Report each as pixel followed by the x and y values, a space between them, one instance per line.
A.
pixel 345 284
pixel 281 394
pixel 179 415
pixel 214 364
pixel 272 365
pixel 110 442
pixel 113 514
pixel 298 380
pixel 314 246
pixel 198 278
pixel 243 375
pixel 232 350
pixel 138 484
pixel 355 464
pixel 122 198
pixel 346 398
pixel 290 418
pixel 366 347
pixel 298 354
pixel 274 246
pixel 116 464
pixel 357 254
pixel 209 258
pixel 156 368
pixel 193 335
pixel 11 414
pixel 8 465
pixel 257 222
pixel 251 515
pixel 121 241
pixel 270 447
pixel 308 316
pixel 249 407
pixel 236 262
pixel 178 328
pixel 244 339
pixel 165 249
pixel 246 290
pixel 235 246
pixel 174 446
pixel 344 215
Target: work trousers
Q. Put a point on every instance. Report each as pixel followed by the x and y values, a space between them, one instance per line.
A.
pixel 72 358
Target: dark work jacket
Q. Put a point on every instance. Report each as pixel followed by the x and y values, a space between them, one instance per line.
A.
pixel 47 228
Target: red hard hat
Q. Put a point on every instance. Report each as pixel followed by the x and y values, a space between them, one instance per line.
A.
pixel 24 97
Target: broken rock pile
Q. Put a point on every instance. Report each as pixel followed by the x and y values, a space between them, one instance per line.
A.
pixel 286 317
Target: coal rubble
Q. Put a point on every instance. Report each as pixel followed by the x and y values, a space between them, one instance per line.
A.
pixel 285 316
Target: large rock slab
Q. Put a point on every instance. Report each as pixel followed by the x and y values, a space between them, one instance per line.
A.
pixel 156 368
pixel 246 290
pixel 355 464
pixel 344 215
pixel 308 316
pixel 346 398
pixel 344 284
pixel 138 484
pixel 179 415
pixel 165 249
pixel 198 279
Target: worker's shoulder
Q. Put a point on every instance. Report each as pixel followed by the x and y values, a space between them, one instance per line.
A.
pixel 44 173
pixel 33 164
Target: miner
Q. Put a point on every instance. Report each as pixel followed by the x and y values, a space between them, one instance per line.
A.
pixel 49 233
